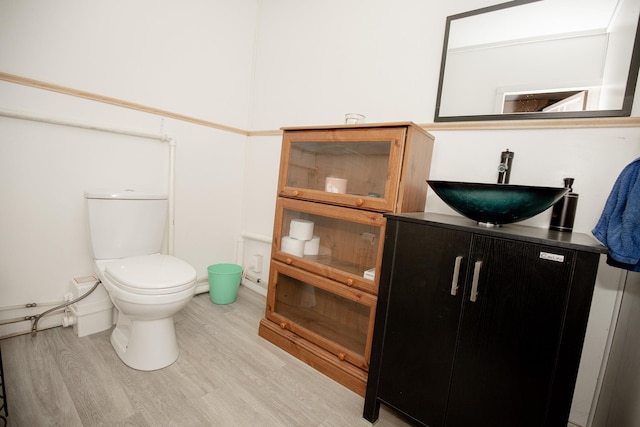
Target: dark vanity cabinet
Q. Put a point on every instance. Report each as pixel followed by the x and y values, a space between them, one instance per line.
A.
pixel 479 326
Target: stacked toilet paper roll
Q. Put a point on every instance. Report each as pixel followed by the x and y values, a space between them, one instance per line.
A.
pixel 300 241
pixel 301 229
pixel 312 247
pixel 292 246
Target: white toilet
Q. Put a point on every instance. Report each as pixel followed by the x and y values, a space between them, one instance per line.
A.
pixel 146 287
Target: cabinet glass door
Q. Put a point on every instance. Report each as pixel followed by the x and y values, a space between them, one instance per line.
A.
pixel 338 243
pixel 334 317
pixel 350 167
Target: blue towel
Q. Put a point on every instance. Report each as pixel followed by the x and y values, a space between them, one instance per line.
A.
pixel 619 226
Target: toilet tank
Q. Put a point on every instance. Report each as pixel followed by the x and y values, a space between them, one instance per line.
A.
pixel 125 223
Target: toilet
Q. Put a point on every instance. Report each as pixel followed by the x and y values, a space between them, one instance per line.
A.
pixel 146 287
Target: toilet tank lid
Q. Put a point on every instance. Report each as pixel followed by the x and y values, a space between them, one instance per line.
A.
pixel 125 194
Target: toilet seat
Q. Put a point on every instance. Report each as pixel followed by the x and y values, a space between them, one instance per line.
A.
pixel 155 274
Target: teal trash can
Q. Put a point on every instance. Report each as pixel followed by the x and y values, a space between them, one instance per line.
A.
pixel 224 281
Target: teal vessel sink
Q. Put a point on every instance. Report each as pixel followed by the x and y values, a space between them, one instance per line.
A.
pixel 496 204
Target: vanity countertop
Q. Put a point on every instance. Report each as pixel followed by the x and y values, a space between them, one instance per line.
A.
pixel 573 240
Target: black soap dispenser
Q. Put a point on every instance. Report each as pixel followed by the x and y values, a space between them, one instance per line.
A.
pixel 564 211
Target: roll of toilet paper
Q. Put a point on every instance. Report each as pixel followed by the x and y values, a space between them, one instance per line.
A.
pixel 292 246
pixel 301 229
pixel 335 185
pixel 312 247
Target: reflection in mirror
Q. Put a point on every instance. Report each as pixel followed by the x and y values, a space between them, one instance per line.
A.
pixel 533 59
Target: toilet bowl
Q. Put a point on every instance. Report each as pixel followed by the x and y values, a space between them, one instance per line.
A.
pixel 147 288
pixel 147 291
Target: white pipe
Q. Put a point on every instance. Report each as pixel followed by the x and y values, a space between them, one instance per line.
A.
pixel 37 305
pixel 172 190
pixel 256 237
pixel 160 137
pixel 72 123
pixel 240 252
pixel 253 278
pixel 251 282
pixel 202 285
pixel 69 320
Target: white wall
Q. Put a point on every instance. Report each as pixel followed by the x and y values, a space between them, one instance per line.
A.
pixel 312 63
pixel 192 58
pixel 44 170
pixel 317 61
pixel 209 181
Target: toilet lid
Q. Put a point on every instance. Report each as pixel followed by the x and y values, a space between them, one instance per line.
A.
pixel 151 274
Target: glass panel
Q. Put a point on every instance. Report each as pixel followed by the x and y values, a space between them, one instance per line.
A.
pixel 333 317
pixel 357 168
pixel 347 246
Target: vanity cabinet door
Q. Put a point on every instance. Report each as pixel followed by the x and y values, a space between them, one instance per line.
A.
pixel 510 334
pixel 424 306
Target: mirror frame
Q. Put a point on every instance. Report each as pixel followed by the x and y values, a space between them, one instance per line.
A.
pixel 627 103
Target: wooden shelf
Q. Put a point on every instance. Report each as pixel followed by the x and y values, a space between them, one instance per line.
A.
pixel 320 308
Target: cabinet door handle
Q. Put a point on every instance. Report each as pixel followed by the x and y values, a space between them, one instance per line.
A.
pixel 474 284
pixel 456 275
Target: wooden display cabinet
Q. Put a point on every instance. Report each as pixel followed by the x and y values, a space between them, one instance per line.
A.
pixel 335 184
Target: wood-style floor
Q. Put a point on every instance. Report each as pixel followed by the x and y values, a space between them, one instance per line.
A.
pixel 226 375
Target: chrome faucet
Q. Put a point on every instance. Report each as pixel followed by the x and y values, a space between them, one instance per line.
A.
pixel 504 168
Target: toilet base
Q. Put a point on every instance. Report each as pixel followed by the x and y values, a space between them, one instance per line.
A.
pixel 145 345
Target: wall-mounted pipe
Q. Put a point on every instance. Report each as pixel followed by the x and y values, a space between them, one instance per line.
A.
pixel 76 124
pixel 256 237
pixel 119 131
pixel 172 190
pixel 30 305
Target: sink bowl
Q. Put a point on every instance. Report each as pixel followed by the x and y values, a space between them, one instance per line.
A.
pixel 496 204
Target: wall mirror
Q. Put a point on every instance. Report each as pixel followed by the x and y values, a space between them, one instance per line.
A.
pixel 540 59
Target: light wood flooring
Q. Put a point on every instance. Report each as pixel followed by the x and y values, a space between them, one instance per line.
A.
pixel 226 375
